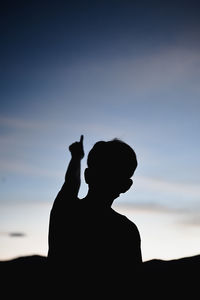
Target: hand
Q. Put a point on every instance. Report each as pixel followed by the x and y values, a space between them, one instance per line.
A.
pixel 76 149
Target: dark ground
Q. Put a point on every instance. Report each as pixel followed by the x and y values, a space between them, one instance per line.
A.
pixel 30 276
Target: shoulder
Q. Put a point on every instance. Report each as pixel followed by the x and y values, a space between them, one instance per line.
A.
pixel 128 224
pixel 61 204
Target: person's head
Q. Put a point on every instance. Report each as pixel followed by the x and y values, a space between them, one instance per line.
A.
pixel 111 165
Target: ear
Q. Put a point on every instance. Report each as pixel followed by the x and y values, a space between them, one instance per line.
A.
pixel 126 186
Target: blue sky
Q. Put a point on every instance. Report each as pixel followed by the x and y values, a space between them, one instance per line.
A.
pixel 105 69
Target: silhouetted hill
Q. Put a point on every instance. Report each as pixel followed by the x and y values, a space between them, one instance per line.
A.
pixel 22 276
pixel 173 277
pixel 158 278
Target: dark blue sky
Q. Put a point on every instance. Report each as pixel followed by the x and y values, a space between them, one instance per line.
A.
pixel 38 37
pixel 59 30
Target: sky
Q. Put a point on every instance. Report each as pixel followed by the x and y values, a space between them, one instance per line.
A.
pixel 105 69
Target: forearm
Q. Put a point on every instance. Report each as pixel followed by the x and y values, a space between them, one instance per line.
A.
pixel 72 182
pixel 72 176
pixel 70 188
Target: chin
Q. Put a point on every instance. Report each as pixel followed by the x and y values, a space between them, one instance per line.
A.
pixel 114 195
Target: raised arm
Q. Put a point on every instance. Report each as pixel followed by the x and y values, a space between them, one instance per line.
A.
pixel 72 181
pixel 72 176
pixel 65 197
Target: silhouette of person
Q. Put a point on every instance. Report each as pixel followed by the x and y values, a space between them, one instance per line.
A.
pixel 88 240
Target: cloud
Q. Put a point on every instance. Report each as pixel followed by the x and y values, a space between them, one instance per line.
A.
pixel 184 216
pixel 17 234
pixel 191 220
pixel 167 67
pixel 20 167
pixel 149 72
pixel 181 188
pixel 150 207
pixel 13 234
pixel 13 122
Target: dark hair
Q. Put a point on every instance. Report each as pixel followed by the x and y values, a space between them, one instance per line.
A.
pixel 113 156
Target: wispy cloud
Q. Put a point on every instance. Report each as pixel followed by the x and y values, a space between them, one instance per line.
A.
pixel 150 207
pixel 184 216
pixel 19 167
pixel 164 185
pixel 167 67
pixel 17 234
pixel 150 72
pixel 14 234
pixel 191 219
pixel 13 122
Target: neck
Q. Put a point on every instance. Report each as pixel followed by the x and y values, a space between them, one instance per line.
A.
pixel 99 200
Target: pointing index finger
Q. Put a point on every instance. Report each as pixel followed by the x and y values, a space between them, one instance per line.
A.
pixel 81 139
